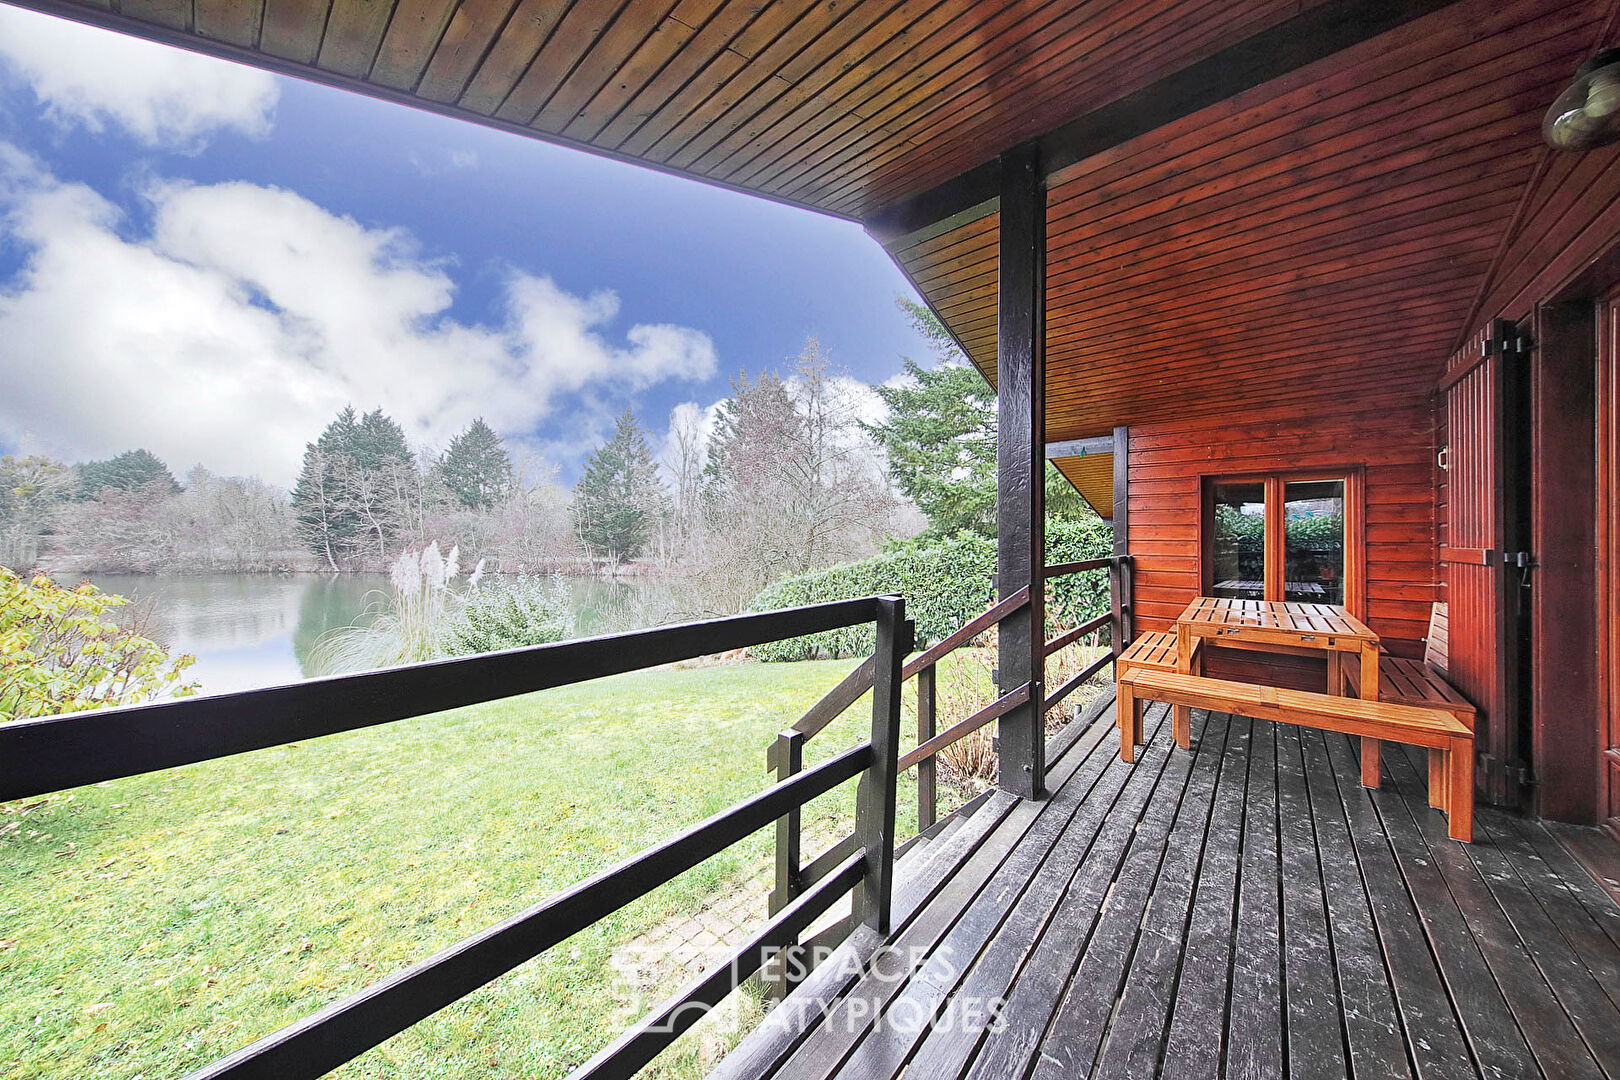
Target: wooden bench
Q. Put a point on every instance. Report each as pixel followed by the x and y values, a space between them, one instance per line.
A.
pixel 1373 721
pixel 1421 683
pixel 1157 652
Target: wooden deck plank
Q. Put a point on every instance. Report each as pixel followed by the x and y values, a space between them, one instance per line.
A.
pixel 1600 906
pixel 1421 993
pixel 1112 912
pixel 1138 1032
pixel 1372 1024
pixel 1315 1033
pixel 1254 1018
pixel 1243 910
pixel 984 952
pixel 1551 991
pixel 995 876
pixel 1511 1022
pixel 1195 1041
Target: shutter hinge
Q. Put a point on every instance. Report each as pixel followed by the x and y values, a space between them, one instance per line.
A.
pixel 1521 560
pixel 1506 337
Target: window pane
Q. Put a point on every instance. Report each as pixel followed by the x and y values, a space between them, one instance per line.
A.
pixel 1313 520
pixel 1240 541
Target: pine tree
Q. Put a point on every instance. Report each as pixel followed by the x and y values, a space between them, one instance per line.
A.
pixel 940 436
pixel 353 486
pixel 477 468
pixel 133 470
pixel 618 499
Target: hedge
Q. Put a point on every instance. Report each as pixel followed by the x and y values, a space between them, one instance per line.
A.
pixel 945 583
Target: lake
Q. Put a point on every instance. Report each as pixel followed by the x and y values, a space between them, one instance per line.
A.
pixel 255 630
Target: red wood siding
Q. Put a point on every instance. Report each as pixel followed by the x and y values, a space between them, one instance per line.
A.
pixel 1390 435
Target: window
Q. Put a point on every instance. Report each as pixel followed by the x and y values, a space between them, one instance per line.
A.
pixel 1284 537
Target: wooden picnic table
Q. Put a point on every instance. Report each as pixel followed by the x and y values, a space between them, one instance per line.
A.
pixel 1287 626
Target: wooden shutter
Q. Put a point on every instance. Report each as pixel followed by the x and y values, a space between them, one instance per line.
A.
pixel 1482 632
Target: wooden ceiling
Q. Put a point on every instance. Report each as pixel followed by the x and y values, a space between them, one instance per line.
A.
pixel 1324 229
pixel 839 105
pixel 1325 232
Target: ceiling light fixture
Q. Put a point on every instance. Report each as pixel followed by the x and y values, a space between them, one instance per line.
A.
pixel 1587 114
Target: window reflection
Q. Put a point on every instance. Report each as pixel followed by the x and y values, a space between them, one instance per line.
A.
pixel 1240 541
pixel 1313 524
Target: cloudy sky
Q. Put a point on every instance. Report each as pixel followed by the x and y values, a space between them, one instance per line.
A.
pixel 210 261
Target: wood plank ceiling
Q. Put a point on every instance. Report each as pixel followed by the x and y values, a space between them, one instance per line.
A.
pixel 839 105
pixel 1339 217
pixel 1318 237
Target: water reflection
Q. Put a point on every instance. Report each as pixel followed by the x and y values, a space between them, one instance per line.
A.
pixel 255 630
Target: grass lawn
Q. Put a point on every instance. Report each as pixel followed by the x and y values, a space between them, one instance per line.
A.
pixel 150 925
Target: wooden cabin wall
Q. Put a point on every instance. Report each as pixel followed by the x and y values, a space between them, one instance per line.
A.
pixel 1570 217
pixel 1389 431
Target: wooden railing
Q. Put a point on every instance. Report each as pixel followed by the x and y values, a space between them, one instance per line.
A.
pixel 49 754
pixel 786 754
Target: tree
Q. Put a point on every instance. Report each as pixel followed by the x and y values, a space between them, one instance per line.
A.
pixel 133 470
pixel 477 468
pixel 618 499
pixel 65 655
pixel 940 435
pixel 793 481
pixel 34 492
pixel 358 489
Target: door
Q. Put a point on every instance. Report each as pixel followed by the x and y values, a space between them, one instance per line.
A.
pixel 1566 713
pixel 1486 397
pixel 1608 500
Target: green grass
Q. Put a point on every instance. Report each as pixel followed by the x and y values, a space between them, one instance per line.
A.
pixel 150 925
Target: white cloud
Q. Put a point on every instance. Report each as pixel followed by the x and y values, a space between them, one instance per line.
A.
pixel 248 316
pixel 162 96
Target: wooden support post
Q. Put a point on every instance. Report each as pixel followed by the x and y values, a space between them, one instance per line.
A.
pixel 927 785
pixel 1123 629
pixel 874 798
pixel 1021 467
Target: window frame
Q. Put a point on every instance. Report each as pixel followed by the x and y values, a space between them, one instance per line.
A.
pixel 1275 484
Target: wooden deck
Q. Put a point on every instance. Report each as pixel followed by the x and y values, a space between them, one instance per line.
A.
pixel 1244 909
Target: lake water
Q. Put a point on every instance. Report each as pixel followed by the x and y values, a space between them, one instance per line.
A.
pixel 255 630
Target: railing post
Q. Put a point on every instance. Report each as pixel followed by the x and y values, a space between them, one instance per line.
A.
pixel 927 791
pixel 778 974
pixel 1116 605
pixel 874 798
pixel 789 762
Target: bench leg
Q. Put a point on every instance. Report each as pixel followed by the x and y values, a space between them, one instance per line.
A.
pixel 1437 779
pixel 1183 726
pixel 1371 775
pixel 1125 712
pixel 1460 790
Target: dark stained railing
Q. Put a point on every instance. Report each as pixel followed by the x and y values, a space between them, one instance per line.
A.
pixel 49 754
pixel 786 754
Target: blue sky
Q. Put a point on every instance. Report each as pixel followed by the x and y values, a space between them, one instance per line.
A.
pixel 203 259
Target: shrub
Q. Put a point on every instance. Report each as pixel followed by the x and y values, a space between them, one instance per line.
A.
pixel 405 627
pixel 509 615
pixel 60 653
pixel 945 584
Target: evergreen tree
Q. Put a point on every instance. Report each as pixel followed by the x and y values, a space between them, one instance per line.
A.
pixel 133 470
pixel 477 468
pixel 354 488
pixel 617 500
pixel 940 435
